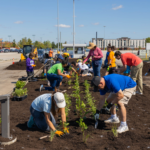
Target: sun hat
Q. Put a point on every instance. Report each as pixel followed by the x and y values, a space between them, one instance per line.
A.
pixel 60 57
pixel 60 99
pixel 91 45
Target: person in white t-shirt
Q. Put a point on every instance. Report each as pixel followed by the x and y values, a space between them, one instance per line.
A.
pixel 83 68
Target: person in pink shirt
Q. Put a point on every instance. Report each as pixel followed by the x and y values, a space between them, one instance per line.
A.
pixel 136 64
pixel 97 56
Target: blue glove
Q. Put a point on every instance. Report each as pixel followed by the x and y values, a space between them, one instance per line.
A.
pixel 44 74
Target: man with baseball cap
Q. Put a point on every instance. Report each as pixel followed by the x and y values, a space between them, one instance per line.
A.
pixel 121 89
pixel 43 111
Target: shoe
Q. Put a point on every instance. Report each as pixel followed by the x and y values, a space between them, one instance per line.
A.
pixel 112 120
pixel 89 74
pixel 30 123
pixel 42 88
pixel 122 129
pixel 134 93
pixel 139 93
pixel 48 83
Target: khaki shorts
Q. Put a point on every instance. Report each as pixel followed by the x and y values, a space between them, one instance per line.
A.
pixel 127 95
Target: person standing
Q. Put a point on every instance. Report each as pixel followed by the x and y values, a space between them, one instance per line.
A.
pixel 43 111
pixel 136 64
pixel 111 66
pixel 50 54
pixel 121 89
pixel 30 65
pixel 97 56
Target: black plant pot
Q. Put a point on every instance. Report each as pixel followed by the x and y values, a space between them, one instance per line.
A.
pixel 16 98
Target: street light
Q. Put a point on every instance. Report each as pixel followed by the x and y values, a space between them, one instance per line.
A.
pixel 58 23
pixel 104 37
pixel 73 28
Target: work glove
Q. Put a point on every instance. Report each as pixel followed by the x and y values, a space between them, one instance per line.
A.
pixel 33 65
pixel 44 74
pixel 66 130
pixel 68 76
pixel 96 116
pixel 59 133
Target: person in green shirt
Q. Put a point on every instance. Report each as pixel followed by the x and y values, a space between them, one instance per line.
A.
pixel 55 76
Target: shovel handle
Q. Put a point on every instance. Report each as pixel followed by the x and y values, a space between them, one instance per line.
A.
pixel 43 137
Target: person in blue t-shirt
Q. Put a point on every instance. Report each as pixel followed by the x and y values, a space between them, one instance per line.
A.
pixel 121 89
pixel 43 110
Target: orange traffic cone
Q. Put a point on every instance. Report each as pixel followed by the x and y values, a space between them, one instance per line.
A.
pixel 13 61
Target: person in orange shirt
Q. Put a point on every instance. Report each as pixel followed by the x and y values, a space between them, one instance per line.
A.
pixel 111 60
pixel 51 53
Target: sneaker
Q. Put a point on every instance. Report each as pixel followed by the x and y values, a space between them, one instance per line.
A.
pixel 134 93
pixel 112 120
pixel 122 129
pixel 48 83
pixel 42 88
pixel 89 74
pixel 139 93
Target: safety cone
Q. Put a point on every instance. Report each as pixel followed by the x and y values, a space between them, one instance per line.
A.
pixel 13 61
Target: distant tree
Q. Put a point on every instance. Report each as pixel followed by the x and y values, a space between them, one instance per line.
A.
pixel 7 44
pixel 65 42
pixel 14 43
pixel 39 45
pixel 29 42
pixel 47 44
pixel 53 45
pixel 148 40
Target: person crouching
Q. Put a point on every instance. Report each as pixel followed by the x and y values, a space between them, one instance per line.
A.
pixel 43 111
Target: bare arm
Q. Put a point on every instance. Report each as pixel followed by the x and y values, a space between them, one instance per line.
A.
pixel 63 115
pixel 50 124
pixel 59 73
pixel 101 103
pixel 122 69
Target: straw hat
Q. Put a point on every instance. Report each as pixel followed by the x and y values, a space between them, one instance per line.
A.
pixel 91 45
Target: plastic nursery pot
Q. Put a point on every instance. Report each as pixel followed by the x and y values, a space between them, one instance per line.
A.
pixel 33 80
pixel 22 79
pixel 16 98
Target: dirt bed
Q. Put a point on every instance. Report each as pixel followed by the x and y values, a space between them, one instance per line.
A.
pixel 138 119
pixel 146 68
pixel 22 66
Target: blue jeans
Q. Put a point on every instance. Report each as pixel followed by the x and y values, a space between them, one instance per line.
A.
pixel 39 119
pixel 97 67
pixel 54 80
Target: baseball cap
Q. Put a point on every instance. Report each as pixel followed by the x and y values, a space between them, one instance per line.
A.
pixel 60 57
pixel 96 82
pixel 60 99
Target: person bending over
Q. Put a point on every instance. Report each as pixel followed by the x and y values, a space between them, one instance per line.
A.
pixel 30 65
pixel 43 111
pixel 55 76
pixel 69 69
pixel 121 88
pixel 136 64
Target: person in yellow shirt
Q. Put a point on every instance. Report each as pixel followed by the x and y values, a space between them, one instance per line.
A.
pixel 111 60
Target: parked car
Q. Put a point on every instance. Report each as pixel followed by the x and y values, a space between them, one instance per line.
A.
pixel 41 55
pixel 20 51
pixel 1 51
pixel 6 50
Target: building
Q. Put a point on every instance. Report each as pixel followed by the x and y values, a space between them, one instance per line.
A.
pixel 122 43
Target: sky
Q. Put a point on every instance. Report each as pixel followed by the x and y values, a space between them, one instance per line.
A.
pixel 37 19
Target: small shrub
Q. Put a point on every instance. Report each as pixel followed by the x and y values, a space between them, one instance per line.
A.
pixel 20 92
pixel 20 84
pixel 52 134
pixel 69 82
pixel 114 130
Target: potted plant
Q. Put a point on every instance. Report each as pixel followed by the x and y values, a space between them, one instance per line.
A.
pixel 20 94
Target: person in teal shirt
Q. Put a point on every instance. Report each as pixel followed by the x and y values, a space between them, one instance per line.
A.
pixel 55 76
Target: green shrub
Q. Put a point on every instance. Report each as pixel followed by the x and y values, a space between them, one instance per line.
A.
pixel 20 84
pixel 20 92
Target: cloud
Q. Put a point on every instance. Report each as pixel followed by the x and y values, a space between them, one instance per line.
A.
pixel 18 22
pixel 81 25
pixel 117 7
pixel 63 26
pixel 97 23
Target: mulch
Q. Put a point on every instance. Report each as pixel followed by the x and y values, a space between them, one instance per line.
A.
pixel 138 119
pixel 22 65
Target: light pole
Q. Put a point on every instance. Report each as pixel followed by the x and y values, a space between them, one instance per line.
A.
pixel 60 41
pixel 73 28
pixel 104 37
pixel 58 23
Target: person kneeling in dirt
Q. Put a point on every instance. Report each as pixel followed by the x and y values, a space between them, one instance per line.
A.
pixel 55 76
pixel 121 88
pixel 43 110
pixel 30 65
pixel 69 69
pixel 83 69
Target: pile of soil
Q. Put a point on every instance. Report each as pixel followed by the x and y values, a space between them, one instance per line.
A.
pixel 146 67
pixel 22 65
pixel 138 114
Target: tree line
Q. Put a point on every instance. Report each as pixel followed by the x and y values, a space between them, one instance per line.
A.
pixel 28 41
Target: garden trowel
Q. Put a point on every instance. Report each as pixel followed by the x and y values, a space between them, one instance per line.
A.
pixel 96 123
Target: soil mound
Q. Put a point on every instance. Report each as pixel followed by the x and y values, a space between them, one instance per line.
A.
pixel 22 66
